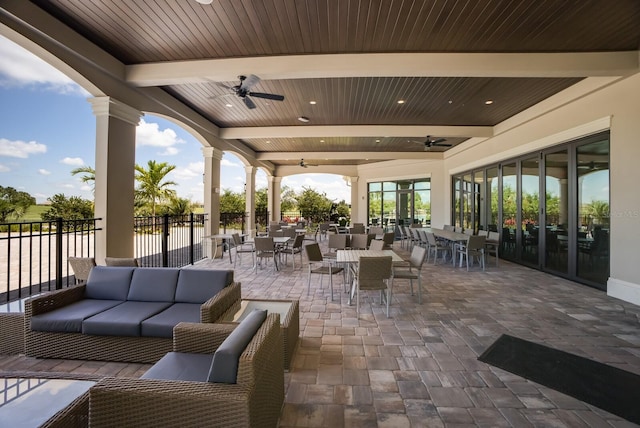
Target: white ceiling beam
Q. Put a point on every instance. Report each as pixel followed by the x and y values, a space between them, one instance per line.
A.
pixel 355 131
pixel 378 155
pixel 565 64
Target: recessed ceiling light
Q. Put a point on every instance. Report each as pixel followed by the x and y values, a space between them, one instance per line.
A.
pixel 488 102
pixel 304 119
pixel 228 105
pixel 268 141
pixel 312 102
pixel 400 101
pixel 205 1
pixel 377 141
pixel 322 141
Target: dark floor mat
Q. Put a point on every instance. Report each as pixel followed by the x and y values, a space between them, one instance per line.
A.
pixel 609 388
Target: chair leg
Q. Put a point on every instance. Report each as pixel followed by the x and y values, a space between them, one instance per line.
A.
pixel 419 289
pixel 331 282
pixel 309 283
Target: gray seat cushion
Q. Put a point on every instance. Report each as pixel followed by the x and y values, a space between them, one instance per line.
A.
pixel 224 366
pixel 199 285
pixel 180 366
pixel 161 325
pixel 153 284
pixel 109 283
pixel 68 319
pixel 122 320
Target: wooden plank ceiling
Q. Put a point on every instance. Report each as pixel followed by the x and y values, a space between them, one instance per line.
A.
pixel 152 31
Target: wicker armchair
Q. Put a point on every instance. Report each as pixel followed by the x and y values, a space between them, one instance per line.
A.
pixel 254 401
pixel 81 267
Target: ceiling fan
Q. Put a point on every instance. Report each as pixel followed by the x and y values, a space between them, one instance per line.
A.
pixel 303 164
pixel 429 142
pixel 243 91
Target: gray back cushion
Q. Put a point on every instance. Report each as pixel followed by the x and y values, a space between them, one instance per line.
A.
pixel 109 283
pixel 224 367
pixel 199 285
pixel 153 284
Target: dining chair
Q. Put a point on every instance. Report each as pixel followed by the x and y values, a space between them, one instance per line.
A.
pixel 324 229
pixel 318 264
pixel 374 274
pixel 121 261
pixel 483 232
pixel 376 230
pixel 312 235
pixel 358 241
pixel 412 270
pixel 492 245
pixel 242 248
pixel 468 231
pixel 265 249
pixel 388 239
pixel 357 229
pixel 377 245
pixel 474 247
pixel 435 247
pixel 293 249
pixel 81 267
pixel 336 242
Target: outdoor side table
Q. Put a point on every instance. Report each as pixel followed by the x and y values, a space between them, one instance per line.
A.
pixel 289 311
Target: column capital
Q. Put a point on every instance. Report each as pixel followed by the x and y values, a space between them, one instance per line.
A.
pixel 107 106
pixel 250 169
pixel 276 179
pixel 212 152
pixel 354 179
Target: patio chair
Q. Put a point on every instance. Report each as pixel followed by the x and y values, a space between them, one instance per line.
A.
pixel 265 249
pixel 388 239
pixel 376 230
pixel 492 245
pixel 81 267
pixel 473 248
pixel 293 249
pixel 411 271
pixel 242 248
pixel 121 261
pixel 435 247
pixel 318 264
pixel 358 242
pixel 336 242
pixel 357 228
pixel 324 229
pixel 312 235
pixel 374 274
pixel 376 245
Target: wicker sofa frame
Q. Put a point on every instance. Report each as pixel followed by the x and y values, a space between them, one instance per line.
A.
pixel 42 344
pixel 254 401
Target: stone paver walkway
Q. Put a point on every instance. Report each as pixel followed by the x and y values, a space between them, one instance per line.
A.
pixel 419 368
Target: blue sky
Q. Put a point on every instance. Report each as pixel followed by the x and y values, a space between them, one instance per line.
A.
pixel 47 129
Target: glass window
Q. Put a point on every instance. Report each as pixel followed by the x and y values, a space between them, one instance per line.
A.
pixel 509 206
pixel 530 209
pixel 556 211
pixel 592 170
pixel 492 199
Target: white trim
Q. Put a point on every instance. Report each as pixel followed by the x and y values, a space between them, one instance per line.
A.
pixel 583 130
pixel 623 290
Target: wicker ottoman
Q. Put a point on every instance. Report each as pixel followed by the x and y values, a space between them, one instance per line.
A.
pixel 289 311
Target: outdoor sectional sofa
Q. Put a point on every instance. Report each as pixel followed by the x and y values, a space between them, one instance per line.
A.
pixel 125 313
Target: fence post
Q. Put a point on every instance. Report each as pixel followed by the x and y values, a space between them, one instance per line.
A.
pixel 191 238
pixel 165 240
pixel 59 253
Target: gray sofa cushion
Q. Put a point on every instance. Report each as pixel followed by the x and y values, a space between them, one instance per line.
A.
pixel 122 320
pixel 68 319
pixel 180 366
pixel 108 283
pixel 199 285
pixel 153 284
pixel 161 325
pixel 224 366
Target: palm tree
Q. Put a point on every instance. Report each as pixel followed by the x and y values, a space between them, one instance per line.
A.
pixel 88 177
pixel 151 187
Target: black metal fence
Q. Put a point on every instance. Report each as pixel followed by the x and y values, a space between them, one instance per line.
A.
pixel 34 255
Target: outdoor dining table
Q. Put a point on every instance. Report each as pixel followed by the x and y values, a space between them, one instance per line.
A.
pixel 278 242
pixel 224 238
pixel 351 257
pixel 451 236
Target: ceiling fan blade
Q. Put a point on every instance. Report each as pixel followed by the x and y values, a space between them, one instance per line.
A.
pixel 248 102
pixel 267 96
pixel 441 145
pixel 249 81
pixel 438 141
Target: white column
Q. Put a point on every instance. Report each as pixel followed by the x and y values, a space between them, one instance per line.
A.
pixel 115 176
pixel 277 198
pixel 212 158
pixel 250 197
pixel 356 217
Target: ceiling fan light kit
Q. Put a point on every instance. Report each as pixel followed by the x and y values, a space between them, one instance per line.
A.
pixel 243 90
pixel 303 119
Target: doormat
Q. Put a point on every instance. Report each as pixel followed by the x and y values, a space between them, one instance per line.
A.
pixel 609 388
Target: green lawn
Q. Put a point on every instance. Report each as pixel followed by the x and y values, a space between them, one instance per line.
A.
pixel 34 212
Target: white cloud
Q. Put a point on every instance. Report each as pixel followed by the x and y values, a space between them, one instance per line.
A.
pixel 192 170
pixel 169 151
pixel 43 171
pixel 20 68
pixel 72 161
pixel 67 186
pixel 149 134
pixel 227 162
pixel 20 149
pixel 4 168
